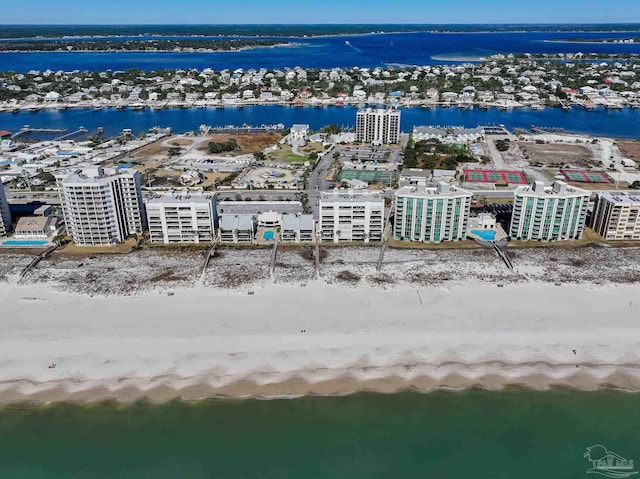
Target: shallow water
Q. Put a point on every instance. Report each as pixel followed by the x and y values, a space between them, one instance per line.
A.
pixel 442 435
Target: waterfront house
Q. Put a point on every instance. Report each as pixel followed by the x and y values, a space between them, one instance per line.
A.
pixel 36 227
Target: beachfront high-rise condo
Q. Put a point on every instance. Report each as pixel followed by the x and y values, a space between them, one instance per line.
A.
pixel 348 215
pixel 378 126
pixel 616 215
pixel 548 213
pixel 431 214
pixel 101 206
pixel 181 217
pixel 5 215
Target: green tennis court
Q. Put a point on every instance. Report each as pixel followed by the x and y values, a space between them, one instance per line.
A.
pixel 370 176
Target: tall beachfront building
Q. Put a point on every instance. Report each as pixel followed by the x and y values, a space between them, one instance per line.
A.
pixel 431 214
pixel 5 215
pixel 378 126
pixel 546 213
pixel 348 215
pixel 101 206
pixel 616 215
pixel 183 217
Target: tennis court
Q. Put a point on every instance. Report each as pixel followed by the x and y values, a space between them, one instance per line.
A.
pixel 370 176
pixel 495 176
pixel 584 176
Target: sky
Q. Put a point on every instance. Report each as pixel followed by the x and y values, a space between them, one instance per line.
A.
pixel 316 11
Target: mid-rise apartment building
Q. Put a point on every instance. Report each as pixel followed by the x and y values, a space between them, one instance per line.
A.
pixel 181 217
pixel 348 215
pixel 378 126
pixel 431 214
pixel 546 213
pixel 5 214
pixel 297 229
pixel 101 206
pixel 237 228
pixel 616 215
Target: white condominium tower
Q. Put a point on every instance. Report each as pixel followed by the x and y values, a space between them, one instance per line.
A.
pixel 378 126
pixel 431 214
pixel 347 215
pixel 184 217
pixel 5 215
pixel 547 213
pixel 101 207
pixel 616 215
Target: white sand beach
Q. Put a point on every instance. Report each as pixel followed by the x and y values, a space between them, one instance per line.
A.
pixel 322 336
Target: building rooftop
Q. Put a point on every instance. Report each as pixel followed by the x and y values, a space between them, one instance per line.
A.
pixel 35 223
pixel 257 207
pixel 415 173
pixel 181 197
pixel 621 197
pixel 236 222
pixel 442 189
pixel 437 172
pixel 297 222
pixel 93 175
pixel 558 188
pixel 351 196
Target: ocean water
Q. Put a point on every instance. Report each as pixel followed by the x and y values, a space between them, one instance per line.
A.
pixel 600 122
pixel 470 434
pixel 420 48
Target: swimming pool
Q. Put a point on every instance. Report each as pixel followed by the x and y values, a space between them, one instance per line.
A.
pixel 487 235
pixel 26 243
pixel 268 235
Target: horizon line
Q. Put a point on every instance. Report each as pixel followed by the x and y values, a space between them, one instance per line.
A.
pixel 313 24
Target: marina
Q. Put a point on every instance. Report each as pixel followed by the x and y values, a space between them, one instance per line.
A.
pixel 597 121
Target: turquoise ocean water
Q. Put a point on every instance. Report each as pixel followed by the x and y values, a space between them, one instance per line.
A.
pixel 470 434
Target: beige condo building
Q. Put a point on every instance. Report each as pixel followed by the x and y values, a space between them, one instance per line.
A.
pixel 616 215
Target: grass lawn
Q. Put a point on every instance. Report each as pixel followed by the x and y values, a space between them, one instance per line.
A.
pixel 589 237
pixel 465 244
pixel 123 248
pixel 285 154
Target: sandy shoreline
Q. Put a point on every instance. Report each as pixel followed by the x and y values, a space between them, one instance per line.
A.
pixel 146 326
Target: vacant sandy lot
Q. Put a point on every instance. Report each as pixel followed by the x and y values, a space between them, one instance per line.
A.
pixel 578 156
pixel 248 142
pixel 629 149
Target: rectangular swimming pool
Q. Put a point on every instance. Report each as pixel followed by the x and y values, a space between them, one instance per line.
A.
pixel 268 235
pixel 25 243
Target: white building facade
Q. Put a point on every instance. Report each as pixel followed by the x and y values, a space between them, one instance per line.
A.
pixel 347 215
pixel 552 213
pixel 5 215
pixel 378 126
pixel 101 207
pixel 183 217
pixel 616 215
pixel 431 214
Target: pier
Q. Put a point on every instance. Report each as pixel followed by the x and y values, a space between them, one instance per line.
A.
pixel 26 130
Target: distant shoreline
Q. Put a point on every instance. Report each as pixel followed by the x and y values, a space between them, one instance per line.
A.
pixel 275 34
pixel 179 50
pixel 589 42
